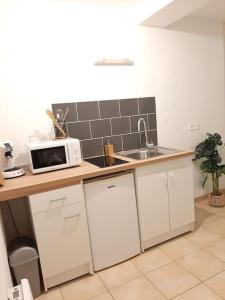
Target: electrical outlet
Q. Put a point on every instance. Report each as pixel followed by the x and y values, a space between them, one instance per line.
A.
pixel 191 127
pixel 197 126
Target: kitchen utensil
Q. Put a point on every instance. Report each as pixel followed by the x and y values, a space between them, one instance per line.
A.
pixel 55 122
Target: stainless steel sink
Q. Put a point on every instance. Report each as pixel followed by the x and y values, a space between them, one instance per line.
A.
pixel 143 153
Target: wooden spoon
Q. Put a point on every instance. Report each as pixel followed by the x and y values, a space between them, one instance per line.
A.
pixel 55 122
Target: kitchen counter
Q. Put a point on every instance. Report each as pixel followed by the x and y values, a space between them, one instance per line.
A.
pixel 32 184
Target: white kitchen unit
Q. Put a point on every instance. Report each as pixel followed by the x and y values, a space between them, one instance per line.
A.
pixel 60 225
pixel 165 200
pixel 112 219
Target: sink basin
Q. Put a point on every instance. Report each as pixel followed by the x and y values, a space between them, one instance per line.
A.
pixel 143 153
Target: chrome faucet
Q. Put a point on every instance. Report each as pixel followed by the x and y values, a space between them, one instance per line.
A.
pixel 149 146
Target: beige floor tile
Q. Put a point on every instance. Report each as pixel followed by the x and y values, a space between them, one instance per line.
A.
pixel 219 211
pixel 105 296
pixel 202 237
pixel 51 294
pixel 200 292
pixel 172 280
pixel 217 249
pixel 202 264
pixel 83 288
pixel 205 205
pixel 119 274
pixel 217 226
pixel 179 247
pixel 138 289
pixel 203 217
pixel 217 283
pixel 150 260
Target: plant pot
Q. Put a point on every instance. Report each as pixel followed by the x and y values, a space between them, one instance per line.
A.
pixel 216 201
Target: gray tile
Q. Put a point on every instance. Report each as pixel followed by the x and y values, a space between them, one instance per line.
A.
pixel 131 141
pixel 79 130
pixel 152 123
pixel 116 141
pixel 134 122
pixel 72 112
pixel 128 107
pixel 109 109
pixel 100 128
pixel 120 125
pixel 92 148
pixel 152 136
pixel 147 105
pixel 88 110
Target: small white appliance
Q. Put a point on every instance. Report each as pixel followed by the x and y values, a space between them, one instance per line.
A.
pixel 21 292
pixel 50 155
pixel 6 160
pixel 112 218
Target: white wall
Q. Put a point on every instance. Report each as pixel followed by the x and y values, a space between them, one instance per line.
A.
pixel 5 281
pixel 48 54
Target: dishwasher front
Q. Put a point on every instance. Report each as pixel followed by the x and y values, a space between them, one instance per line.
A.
pixel 112 218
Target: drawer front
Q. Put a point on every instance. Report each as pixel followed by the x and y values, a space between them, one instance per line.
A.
pixel 56 198
pixel 62 238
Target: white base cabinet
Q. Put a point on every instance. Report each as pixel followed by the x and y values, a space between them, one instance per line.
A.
pixel 165 200
pixel 60 225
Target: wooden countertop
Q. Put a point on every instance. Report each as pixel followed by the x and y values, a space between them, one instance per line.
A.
pixel 32 184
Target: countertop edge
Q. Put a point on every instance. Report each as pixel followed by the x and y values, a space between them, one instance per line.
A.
pixel 32 184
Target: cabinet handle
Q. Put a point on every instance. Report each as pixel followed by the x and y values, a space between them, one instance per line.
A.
pixel 111 186
pixel 171 174
pixel 73 216
pixel 59 199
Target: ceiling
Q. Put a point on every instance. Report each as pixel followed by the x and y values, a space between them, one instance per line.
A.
pixel 214 10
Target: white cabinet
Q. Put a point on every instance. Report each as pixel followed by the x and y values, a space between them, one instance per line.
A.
pixel 60 224
pixel 165 200
pixel 181 196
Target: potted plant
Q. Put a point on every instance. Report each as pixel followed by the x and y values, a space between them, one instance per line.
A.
pixel 211 164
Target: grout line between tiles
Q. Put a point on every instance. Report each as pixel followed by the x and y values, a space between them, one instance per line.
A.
pixel 99 110
pixel 61 292
pixel 90 131
pixel 213 290
pixel 77 111
pixel 156 287
pixel 119 108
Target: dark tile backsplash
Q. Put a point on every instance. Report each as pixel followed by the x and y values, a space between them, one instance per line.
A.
pixel 100 128
pixel 72 110
pixel 129 107
pixel 109 109
pixel 88 110
pixel 147 105
pixel 79 130
pixel 95 123
pixel 120 125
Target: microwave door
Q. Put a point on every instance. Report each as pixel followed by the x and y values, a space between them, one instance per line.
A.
pixel 49 158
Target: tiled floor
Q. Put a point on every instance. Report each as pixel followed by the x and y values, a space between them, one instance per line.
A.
pixel 190 267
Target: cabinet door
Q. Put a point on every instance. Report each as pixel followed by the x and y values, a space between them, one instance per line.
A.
pixel 152 205
pixel 181 196
pixel 112 218
pixel 62 238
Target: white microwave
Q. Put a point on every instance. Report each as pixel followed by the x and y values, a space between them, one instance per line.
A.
pixel 53 155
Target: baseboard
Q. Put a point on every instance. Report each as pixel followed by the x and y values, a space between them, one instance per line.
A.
pixel 205 196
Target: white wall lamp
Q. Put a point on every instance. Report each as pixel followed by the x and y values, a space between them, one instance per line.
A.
pixel 117 61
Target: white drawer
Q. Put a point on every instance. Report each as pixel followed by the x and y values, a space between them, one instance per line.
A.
pixel 56 198
pixel 62 238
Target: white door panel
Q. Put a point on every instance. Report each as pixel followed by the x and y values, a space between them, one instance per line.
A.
pixel 181 196
pixel 153 205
